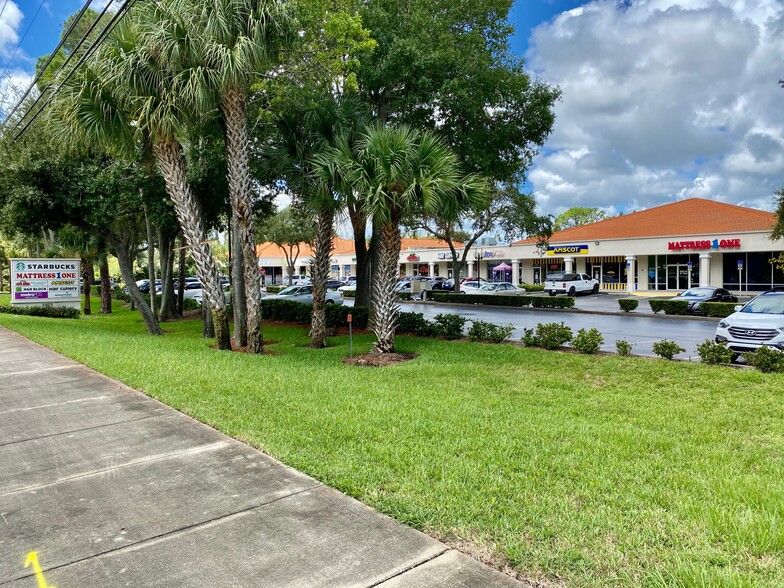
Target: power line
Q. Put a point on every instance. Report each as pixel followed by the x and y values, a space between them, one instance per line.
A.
pixel 64 65
pixel 90 50
pixel 27 30
pixel 64 38
pixel 2 10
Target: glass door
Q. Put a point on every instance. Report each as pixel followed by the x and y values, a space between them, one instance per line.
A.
pixel 677 276
pixel 597 273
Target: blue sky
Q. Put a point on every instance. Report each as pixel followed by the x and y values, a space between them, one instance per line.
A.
pixel 662 99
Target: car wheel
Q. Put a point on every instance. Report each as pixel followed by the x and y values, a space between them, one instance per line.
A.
pixel 595 289
pixel 734 358
pixel 552 293
pixel 572 291
pixel 462 291
pixel 330 302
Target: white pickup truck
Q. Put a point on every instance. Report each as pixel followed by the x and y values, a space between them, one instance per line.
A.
pixel 570 284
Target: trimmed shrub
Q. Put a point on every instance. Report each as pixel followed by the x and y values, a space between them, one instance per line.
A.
pixel 349 293
pixel 548 335
pixel 657 304
pixel 551 302
pixel 628 304
pixel 119 294
pixel 623 347
pixel 489 332
pixel 274 289
pixel 714 353
pixel 676 306
pixel 488 299
pixel 533 287
pixel 190 304
pixel 289 311
pixel 766 359
pixel 415 323
pixel 718 309
pixel 667 349
pixel 403 295
pixel 587 341
pixel 337 316
pixel 449 326
pixel 45 311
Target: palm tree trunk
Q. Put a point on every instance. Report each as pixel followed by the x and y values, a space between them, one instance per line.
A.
pixel 359 227
pixel 320 274
pixel 238 300
pixel 168 152
pixel 181 281
pixel 150 253
pixel 87 279
pixel 235 109
pixel 166 248
pixel 126 269
pixel 106 289
pixel 384 298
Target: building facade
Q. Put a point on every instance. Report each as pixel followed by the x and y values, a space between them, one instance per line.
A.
pixel 692 242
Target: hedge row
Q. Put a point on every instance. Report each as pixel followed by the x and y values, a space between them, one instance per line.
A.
pixel 289 311
pixel 533 287
pixel 718 309
pixel 47 311
pixel 274 289
pixel 501 300
pixel 669 306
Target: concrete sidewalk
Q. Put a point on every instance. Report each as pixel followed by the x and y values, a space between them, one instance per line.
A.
pixel 112 488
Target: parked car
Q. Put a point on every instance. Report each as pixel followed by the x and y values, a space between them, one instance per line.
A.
pixel 759 322
pixel 334 284
pixel 696 296
pixel 305 294
pixel 298 280
pixel 444 285
pixel 352 287
pixel 197 294
pixel 570 284
pixel 470 285
pixel 502 288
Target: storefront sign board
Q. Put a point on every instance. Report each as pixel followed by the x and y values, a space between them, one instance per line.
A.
pixel 45 282
pixel 581 249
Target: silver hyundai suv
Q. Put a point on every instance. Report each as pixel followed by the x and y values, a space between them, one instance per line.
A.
pixel 760 322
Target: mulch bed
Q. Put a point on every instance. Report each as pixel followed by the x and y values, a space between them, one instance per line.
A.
pixel 373 359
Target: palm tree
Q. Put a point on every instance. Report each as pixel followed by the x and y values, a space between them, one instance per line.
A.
pixel 398 173
pixel 131 88
pixel 240 40
pixel 302 135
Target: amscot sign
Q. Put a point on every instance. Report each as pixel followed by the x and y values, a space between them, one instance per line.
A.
pixel 567 250
pixel 45 282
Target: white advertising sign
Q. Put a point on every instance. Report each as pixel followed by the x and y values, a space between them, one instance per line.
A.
pixel 45 282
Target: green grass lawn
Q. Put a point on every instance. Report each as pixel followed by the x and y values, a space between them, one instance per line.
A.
pixel 597 471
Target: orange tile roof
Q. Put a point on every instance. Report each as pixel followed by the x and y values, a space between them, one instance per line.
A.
pixel 694 216
pixel 346 247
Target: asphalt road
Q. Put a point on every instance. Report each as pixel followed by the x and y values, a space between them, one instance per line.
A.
pixel 640 328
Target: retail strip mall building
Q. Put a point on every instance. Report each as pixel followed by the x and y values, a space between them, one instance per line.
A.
pixel 671 247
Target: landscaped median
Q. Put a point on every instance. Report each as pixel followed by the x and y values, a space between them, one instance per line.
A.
pixel 500 300
pixel 583 471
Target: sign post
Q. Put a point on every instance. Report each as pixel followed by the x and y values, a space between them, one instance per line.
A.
pixel 45 282
pixel 740 275
pixel 349 318
pixel 688 271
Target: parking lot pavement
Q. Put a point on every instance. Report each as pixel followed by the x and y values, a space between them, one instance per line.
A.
pixel 101 485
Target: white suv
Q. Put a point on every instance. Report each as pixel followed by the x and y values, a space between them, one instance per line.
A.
pixel 760 322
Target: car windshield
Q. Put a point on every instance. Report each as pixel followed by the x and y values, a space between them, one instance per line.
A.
pixel 289 291
pixel 698 292
pixel 766 305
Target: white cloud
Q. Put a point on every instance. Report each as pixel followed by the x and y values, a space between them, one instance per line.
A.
pixel 662 100
pixel 9 32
